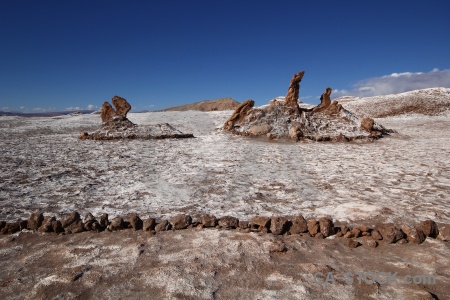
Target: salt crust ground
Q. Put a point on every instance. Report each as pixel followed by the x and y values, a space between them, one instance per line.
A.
pixel 44 166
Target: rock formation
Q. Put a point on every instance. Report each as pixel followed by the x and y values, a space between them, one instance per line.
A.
pixel 116 125
pixel 289 119
pixel 291 99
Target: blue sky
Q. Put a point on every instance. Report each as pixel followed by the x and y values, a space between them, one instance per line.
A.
pixel 56 55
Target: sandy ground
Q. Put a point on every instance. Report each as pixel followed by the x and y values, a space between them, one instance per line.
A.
pixel 404 178
pixel 215 264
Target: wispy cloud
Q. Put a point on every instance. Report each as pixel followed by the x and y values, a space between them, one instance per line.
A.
pixel 397 83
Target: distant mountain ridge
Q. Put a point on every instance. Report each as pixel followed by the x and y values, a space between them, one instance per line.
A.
pixel 46 114
pixel 431 101
pixel 207 105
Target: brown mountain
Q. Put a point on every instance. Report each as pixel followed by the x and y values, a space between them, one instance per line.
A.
pixel 207 105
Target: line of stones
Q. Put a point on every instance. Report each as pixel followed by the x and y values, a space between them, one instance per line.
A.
pixel 321 228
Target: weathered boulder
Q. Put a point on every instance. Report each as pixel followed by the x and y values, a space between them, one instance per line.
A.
pixel 47 224
pixel 313 227
pixel 149 224
pixel 444 232
pixel 367 124
pixel 260 222
pixel 278 225
pixel 260 130
pixel 429 228
pixel 68 219
pixel 390 233
pixel 299 225
pixel 103 220
pixel 57 226
pixel 180 221
pixel 135 222
pixel 351 243
pixel 228 222
pixel 116 224
pixel 370 242
pixel 163 226
pixel 35 220
pixel 326 226
pixel 107 112
pixel 376 235
pixel 75 227
pixel 209 221
pixel 239 113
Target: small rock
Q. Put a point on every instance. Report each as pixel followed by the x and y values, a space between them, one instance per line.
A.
pixel 149 224
pixel 57 226
pixel 47 225
pixel 163 226
pixel 135 222
pixel 344 229
pixel 339 234
pixel 229 222
pixel 349 235
pixel 326 227
pixel 429 228
pixel 278 247
pixel 356 232
pixel 363 228
pixel 370 242
pixel 299 225
pixel 351 243
pixel 103 220
pixel 376 235
pixel 180 221
pixel 35 220
pixel 390 233
pixel 244 224
pixel 278 225
pixel 116 224
pixel 444 232
pixel 75 227
pixel 89 218
pixel 313 227
pixel 209 221
pixel 416 236
pixel 260 222
pixel 68 219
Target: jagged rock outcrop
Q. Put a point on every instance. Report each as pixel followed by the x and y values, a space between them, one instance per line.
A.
pixel 239 114
pixel 291 99
pixel 116 125
pixel 289 119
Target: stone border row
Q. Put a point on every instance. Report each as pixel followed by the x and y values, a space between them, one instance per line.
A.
pixel 318 228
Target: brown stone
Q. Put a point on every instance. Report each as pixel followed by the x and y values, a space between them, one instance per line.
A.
pixel 278 247
pixel 180 221
pixel 244 224
pixel 367 124
pixel 260 222
pixel 339 234
pixel 363 228
pixel 68 219
pixel 260 130
pixel 278 225
pixel 103 220
pixel 135 222
pixel 291 99
pixel 415 236
pixel 57 226
pixel 376 235
pixel 239 114
pixel 356 232
pixel 209 221
pixel 116 224
pixel 149 224
pixel 313 227
pixel 296 132
pixel 429 228
pixel 47 224
pixel 299 225
pixel 370 242
pixel 326 227
pixel 444 232
pixel 351 243
pixel 35 220
pixel 11 228
pixel 344 229
pixel 121 105
pixel 349 234
pixel 228 222
pixel 75 227
pixel 163 226
pixel 390 233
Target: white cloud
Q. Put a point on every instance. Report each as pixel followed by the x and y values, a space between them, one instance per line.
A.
pixel 91 107
pixel 397 83
pixel 73 108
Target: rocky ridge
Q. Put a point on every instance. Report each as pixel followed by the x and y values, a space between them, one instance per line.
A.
pixel 207 105
pixel 116 125
pixel 329 121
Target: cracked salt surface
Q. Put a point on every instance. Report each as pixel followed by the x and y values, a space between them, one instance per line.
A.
pixel 44 166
